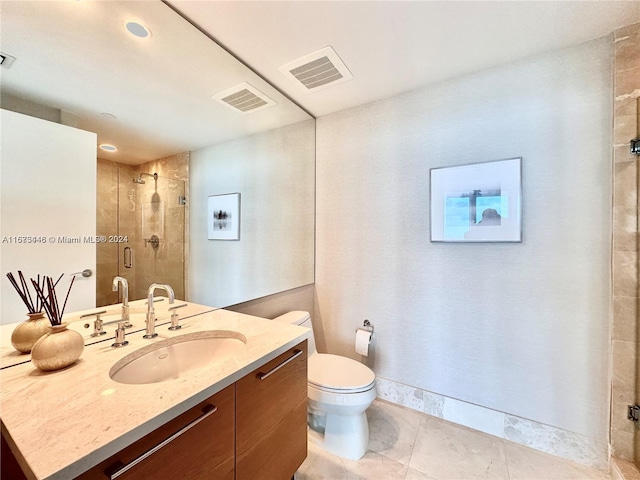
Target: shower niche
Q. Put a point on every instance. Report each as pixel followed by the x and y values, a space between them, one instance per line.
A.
pixel 143 211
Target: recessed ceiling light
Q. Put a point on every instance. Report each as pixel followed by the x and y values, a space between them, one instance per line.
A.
pixel 108 148
pixel 137 29
pixel 108 115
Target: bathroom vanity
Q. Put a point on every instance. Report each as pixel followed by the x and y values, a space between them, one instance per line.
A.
pixel 240 416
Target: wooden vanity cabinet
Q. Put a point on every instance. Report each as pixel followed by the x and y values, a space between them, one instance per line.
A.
pixel 255 429
pixel 204 451
pixel 271 418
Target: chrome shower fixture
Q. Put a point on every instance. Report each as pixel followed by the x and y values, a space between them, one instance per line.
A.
pixel 139 179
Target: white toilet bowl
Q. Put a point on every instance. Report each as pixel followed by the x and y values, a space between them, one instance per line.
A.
pixel 340 390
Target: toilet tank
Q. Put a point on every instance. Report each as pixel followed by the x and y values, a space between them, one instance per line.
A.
pixel 303 319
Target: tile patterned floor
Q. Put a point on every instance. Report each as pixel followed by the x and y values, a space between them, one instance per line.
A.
pixel 408 445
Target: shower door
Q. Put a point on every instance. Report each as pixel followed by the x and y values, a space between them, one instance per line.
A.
pixel 151 230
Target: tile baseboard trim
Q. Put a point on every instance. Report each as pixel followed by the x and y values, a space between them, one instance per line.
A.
pixel 624 470
pixel 553 440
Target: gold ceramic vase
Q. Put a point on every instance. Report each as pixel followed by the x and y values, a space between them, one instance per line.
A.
pixel 58 349
pixel 29 332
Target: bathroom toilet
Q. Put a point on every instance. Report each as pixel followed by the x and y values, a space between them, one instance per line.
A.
pixel 340 390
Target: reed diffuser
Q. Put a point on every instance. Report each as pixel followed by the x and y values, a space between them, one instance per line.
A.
pixel 27 333
pixel 61 347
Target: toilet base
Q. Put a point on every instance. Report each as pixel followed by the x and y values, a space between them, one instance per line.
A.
pixel 345 436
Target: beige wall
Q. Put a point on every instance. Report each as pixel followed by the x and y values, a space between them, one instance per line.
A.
pixel 624 433
pixel 274 173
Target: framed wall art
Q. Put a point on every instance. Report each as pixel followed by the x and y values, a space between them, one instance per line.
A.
pixel 223 220
pixel 477 202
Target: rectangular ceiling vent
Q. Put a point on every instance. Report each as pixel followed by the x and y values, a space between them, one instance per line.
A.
pixel 317 70
pixel 244 98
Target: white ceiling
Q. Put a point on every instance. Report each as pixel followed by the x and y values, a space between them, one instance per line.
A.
pixel 396 46
pixel 74 55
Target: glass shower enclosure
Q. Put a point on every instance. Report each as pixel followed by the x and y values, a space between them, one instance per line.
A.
pixel 143 223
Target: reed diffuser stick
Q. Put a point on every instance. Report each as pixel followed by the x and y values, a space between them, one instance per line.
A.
pixel 23 293
pixel 49 298
pixel 67 297
pixel 24 285
pixel 40 293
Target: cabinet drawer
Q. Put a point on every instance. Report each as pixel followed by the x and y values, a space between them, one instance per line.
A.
pixel 205 450
pixel 271 418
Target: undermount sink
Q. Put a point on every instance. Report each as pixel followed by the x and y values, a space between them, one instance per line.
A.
pixel 168 359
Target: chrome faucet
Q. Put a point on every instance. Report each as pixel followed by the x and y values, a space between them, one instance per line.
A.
pixel 151 314
pixel 125 298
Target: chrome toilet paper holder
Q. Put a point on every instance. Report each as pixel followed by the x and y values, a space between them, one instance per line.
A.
pixel 366 325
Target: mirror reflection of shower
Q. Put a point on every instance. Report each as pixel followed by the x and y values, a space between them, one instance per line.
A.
pixel 135 202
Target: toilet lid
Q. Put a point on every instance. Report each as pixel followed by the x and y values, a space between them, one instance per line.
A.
pixel 339 373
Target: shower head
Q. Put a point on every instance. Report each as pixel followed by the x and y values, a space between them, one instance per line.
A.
pixel 139 179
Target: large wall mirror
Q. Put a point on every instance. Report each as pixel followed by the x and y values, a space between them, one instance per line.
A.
pixel 181 120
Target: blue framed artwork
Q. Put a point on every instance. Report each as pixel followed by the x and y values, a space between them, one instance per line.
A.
pixel 477 202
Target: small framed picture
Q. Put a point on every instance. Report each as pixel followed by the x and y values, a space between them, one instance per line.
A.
pixel 477 202
pixel 223 220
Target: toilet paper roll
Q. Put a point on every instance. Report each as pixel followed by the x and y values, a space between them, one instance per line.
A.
pixel 363 338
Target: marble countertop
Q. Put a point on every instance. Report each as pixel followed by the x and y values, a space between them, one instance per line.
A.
pixel 9 356
pixel 62 423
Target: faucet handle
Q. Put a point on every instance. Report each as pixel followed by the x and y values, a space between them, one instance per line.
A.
pixel 125 316
pixel 120 335
pixel 97 324
pixel 175 318
pixel 150 331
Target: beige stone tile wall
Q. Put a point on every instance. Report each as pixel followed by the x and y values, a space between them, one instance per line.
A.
pixel 169 263
pixel 106 224
pixel 624 433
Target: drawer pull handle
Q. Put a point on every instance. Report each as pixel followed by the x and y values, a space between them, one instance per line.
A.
pixel 207 411
pixel 262 376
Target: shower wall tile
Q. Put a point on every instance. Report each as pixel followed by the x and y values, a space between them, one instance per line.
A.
pixel 625 193
pixel 619 410
pixel 627 48
pixel 625 228
pixel 624 388
pixel 624 128
pixel 625 311
pixel 624 362
pixel 622 445
pixel 165 264
pixel 625 273
pixel 546 438
pixel 622 153
pixel 106 224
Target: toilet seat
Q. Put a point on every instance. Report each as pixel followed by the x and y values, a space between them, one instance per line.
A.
pixel 334 373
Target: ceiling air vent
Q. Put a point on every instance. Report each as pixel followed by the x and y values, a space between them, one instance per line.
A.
pixel 244 98
pixel 317 70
